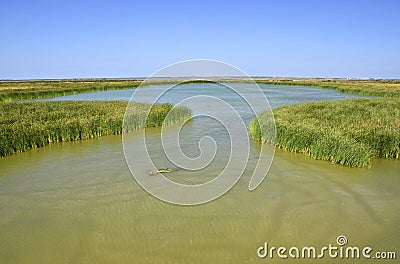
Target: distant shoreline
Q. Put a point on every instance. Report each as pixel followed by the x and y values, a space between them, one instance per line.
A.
pixel 256 78
pixel 12 90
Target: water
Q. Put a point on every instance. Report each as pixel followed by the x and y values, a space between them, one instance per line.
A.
pixel 77 202
pixel 278 95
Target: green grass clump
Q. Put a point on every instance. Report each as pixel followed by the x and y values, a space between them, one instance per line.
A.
pixel 30 125
pixel 349 132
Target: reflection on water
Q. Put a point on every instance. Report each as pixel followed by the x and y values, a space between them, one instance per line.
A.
pixel 77 202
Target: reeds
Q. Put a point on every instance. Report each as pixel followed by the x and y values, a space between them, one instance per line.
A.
pixel 380 88
pixel 30 125
pixel 349 132
pixel 27 90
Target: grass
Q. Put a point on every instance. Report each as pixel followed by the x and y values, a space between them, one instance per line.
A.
pixel 380 88
pixel 349 132
pixel 25 126
pixel 27 90
pixel 35 89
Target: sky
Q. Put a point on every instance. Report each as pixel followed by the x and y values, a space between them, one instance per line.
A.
pixel 78 39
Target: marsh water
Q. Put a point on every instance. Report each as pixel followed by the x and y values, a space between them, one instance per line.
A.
pixel 77 202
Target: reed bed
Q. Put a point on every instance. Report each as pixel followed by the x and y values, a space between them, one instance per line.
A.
pixel 27 90
pixel 349 132
pixel 380 88
pixel 35 89
pixel 25 126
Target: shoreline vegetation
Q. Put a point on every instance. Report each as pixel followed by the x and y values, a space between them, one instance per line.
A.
pixel 31 125
pixel 11 90
pixel 379 88
pixel 349 132
pixel 35 89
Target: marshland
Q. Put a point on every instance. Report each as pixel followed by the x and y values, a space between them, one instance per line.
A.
pixel 23 90
pixel 349 132
pixel 31 125
pixel 73 200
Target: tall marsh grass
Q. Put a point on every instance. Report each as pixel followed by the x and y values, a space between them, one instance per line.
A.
pixel 30 125
pixel 380 88
pixel 27 90
pixel 349 132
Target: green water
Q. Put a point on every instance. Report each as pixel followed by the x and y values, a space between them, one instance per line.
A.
pixel 78 203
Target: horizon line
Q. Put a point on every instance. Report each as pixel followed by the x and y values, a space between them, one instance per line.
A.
pixel 257 77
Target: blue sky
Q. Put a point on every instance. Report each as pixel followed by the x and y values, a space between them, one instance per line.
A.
pixel 72 39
